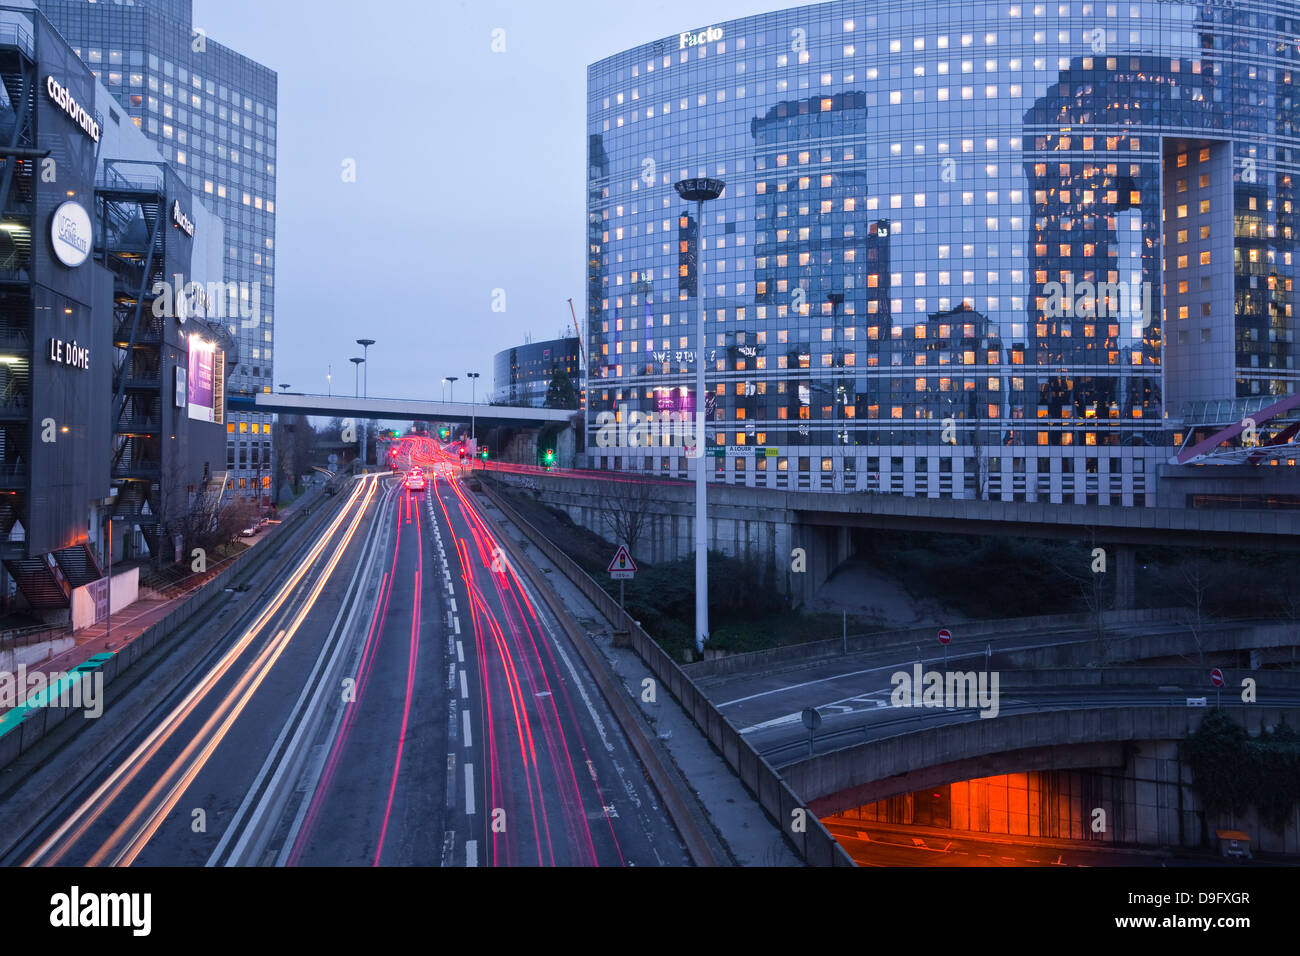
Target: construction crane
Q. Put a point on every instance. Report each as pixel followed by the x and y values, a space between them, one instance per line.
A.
pixel 582 353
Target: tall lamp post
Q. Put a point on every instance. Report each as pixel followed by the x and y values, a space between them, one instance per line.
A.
pixel 700 191
pixel 356 393
pixel 365 393
pixel 453 379
pixel 473 392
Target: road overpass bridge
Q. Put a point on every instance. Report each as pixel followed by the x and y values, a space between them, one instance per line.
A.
pixel 400 409
pixel 1135 748
pixel 767 525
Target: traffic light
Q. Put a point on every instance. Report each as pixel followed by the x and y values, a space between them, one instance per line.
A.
pixel 549 458
pixel 483 453
pixel 444 432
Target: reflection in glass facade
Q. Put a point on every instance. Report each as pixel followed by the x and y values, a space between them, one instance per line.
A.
pixel 984 249
pixel 212 114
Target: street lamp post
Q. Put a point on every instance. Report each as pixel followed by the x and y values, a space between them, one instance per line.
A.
pixel 356 376
pixel 284 386
pixel 356 393
pixel 365 392
pixel 473 392
pixel 329 381
pixel 700 191
pixel 453 379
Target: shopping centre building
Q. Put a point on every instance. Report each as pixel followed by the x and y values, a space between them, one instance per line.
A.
pixel 1020 251
pixel 211 112
pixel 111 390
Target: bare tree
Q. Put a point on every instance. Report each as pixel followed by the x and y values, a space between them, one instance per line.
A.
pixel 1194 580
pixel 209 521
pixel 625 509
pixel 295 447
pixel 1088 574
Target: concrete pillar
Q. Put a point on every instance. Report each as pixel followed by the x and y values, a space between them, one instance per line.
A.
pixel 1124 571
pixel 782 545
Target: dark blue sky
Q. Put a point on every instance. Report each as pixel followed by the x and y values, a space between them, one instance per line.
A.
pixel 470 172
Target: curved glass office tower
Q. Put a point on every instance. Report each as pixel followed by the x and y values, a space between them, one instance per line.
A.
pixel 988 249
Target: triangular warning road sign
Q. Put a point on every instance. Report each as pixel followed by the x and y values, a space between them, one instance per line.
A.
pixel 622 561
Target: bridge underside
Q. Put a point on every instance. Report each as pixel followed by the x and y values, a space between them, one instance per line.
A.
pixel 396 409
pixel 1070 757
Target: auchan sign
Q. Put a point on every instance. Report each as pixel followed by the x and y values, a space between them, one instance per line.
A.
pixel 707 35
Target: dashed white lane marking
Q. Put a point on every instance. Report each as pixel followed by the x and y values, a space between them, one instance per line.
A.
pixel 460 652
pixel 456 623
pixel 469 740
pixel 464 686
pixel 453 605
pixel 469 789
pixel 471 852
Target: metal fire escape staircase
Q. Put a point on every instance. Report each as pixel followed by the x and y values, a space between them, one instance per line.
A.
pixel 132 210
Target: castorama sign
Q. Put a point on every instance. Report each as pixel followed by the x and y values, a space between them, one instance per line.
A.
pixel 78 113
pixel 707 35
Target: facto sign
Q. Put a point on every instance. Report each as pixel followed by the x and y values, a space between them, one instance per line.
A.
pixel 708 35
pixel 181 220
pixel 70 354
pixel 63 99
pixel 70 234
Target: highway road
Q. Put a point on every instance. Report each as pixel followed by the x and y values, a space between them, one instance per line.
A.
pixel 853 696
pixel 879 844
pixel 400 698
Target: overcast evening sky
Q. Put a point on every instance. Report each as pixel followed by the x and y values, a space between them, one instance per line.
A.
pixel 470 167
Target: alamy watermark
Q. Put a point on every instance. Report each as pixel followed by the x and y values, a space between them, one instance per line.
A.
pixel 647 430
pixel 183 300
pixel 1099 300
pixel 948 689
pixel 83 692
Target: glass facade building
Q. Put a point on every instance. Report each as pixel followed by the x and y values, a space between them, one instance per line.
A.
pixel 521 375
pixel 965 249
pixel 212 114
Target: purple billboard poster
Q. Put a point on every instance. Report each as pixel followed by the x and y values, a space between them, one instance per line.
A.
pixel 200 382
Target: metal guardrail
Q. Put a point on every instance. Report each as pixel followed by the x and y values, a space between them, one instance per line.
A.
pixel 23 636
pixel 813 841
pixel 14 34
pixel 251 563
